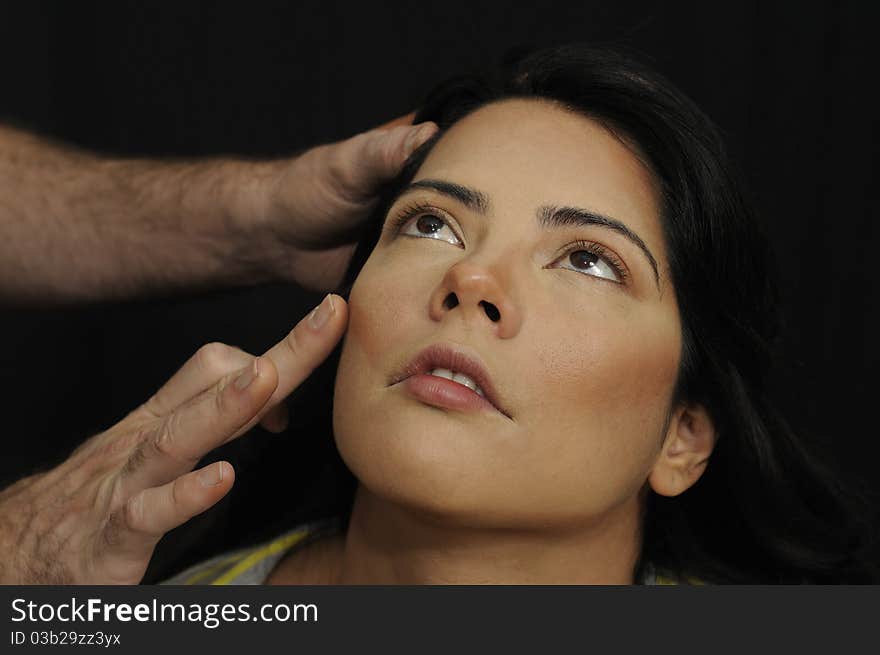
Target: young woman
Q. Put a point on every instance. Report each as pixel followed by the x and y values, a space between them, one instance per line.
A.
pixel 574 255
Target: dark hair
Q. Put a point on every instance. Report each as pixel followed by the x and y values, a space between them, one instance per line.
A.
pixel 765 510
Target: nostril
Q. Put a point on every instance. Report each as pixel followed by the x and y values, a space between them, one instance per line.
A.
pixel 451 301
pixel 491 311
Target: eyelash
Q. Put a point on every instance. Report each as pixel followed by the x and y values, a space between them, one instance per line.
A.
pixel 412 211
pixel 600 250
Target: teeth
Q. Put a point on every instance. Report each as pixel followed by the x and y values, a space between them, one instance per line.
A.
pixel 442 373
pixel 461 378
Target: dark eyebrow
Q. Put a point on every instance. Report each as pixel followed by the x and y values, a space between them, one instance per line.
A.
pixel 473 200
pixel 548 216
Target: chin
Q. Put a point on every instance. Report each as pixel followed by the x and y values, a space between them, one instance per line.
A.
pixel 404 450
pixel 440 461
pixel 417 456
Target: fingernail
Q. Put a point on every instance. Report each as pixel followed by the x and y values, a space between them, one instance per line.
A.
pixel 250 374
pixel 322 312
pixel 211 476
pixel 423 134
pixel 413 140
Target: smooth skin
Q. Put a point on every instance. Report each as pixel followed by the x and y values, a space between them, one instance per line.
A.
pixel 584 364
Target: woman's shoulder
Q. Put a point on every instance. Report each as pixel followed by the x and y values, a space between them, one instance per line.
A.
pixel 252 565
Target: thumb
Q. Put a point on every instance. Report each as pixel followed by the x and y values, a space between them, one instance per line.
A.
pixel 389 149
pixel 361 163
pixel 414 137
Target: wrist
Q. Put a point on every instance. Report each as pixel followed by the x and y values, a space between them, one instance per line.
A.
pixel 252 214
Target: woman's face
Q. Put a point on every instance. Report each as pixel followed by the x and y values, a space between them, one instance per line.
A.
pixel 584 348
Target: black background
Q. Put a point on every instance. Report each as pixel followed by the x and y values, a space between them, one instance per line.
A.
pixel 790 84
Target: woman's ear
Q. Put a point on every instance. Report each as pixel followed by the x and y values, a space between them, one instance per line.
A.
pixel 686 450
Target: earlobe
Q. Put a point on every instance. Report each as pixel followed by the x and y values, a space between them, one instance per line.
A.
pixel 689 441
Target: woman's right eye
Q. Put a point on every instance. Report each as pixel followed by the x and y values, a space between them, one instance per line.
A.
pixel 426 225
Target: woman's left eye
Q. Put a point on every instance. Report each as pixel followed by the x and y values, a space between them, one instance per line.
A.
pixel 426 225
pixel 590 259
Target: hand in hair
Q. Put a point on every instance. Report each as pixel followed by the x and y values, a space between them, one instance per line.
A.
pixel 321 199
pixel 122 228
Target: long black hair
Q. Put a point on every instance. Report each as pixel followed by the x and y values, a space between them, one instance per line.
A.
pixel 765 510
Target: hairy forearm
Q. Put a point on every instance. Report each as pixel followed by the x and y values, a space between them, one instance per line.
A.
pixel 80 227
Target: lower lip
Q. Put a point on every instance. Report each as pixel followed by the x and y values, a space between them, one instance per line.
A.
pixel 440 392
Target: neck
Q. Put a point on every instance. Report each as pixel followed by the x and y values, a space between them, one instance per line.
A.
pixel 391 544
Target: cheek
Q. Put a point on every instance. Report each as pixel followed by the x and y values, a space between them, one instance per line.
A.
pixel 601 398
pixel 605 354
pixel 380 308
pixel 375 338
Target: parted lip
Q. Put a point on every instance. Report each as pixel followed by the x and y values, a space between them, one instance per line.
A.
pixel 454 358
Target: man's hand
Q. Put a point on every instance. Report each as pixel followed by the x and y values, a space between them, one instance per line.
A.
pixel 97 517
pixel 77 226
pixel 320 200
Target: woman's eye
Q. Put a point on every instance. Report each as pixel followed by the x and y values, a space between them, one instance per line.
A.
pixel 430 226
pixel 591 263
pixel 582 259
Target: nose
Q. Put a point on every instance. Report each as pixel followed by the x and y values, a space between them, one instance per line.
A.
pixel 476 293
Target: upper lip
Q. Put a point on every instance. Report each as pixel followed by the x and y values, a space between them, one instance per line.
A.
pixel 454 358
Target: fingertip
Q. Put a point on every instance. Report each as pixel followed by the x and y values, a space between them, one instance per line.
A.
pixel 426 129
pixel 265 367
pixel 338 308
pixel 227 473
pixel 215 474
pixel 215 481
pixel 247 394
pixel 267 373
pixel 419 134
pixel 338 302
